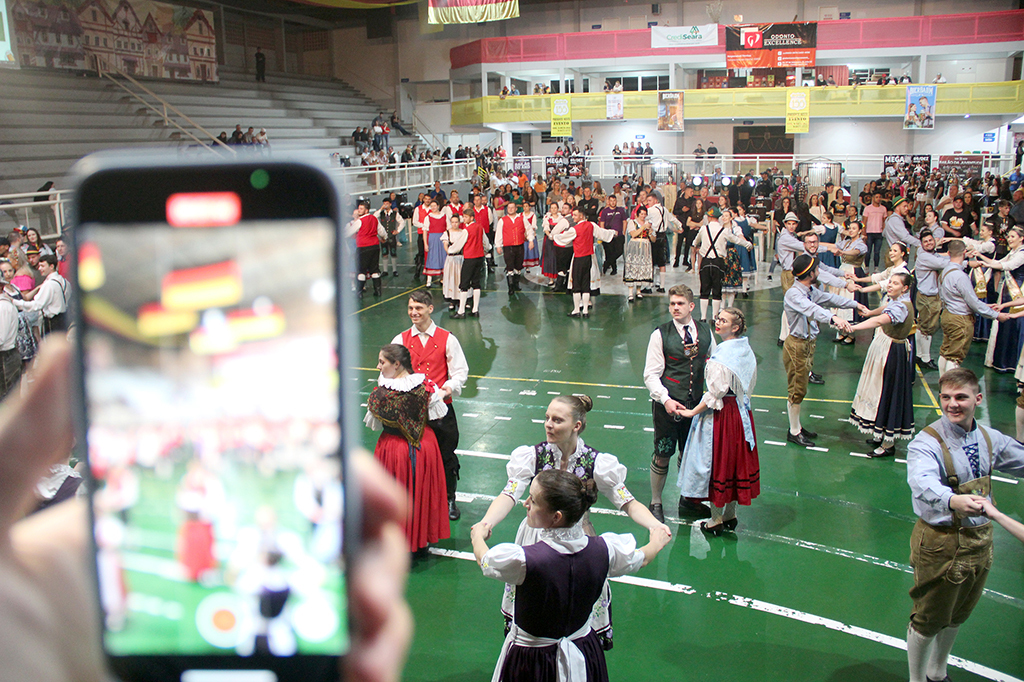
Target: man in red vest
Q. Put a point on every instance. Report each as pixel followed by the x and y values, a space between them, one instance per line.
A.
pixel 437 354
pixel 509 239
pixel 583 260
pixel 472 264
pixel 369 233
pixel 483 214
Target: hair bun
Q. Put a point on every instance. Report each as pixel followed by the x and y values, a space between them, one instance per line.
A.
pixel 586 401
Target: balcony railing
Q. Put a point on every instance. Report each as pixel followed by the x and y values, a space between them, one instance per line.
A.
pixel 861 101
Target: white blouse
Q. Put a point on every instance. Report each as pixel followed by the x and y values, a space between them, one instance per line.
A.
pixel 609 473
pixel 436 409
pixel 1010 261
pixel 507 562
pixel 456 240
pixel 720 380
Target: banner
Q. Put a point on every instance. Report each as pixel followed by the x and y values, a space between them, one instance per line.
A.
pixel 770 45
pixel 470 11
pixel 140 37
pixel 919 114
pixel 670 110
pixel 615 110
pixel 7 57
pixel 684 36
pixel 798 110
pixel 896 164
pixel 575 166
pixel 561 116
pixel 963 165
pixel 555 165
pixel 522 165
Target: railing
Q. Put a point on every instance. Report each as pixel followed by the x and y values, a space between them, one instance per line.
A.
pixel 865 100
pixel 23 210
pixel 106 72
pixel 435 141
pixel 848 34
pixel 403 177
pixel 860 167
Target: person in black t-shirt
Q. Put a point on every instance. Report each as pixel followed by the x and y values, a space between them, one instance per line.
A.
pixel 588 205
pixel 958 221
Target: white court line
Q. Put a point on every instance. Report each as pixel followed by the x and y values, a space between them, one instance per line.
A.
pixel 362 404
pixel 649 429
pixel 776 610
pixel 774 442
pixel 503 419
pixel 527 392
pixel 613 426
pixel 471 415
pixel 537 421
pixel 485 455
pixel 505 390
pixel 605 396
pixel 817 416
pixel 900 461
pixel 554 393
pixel 817 449
pixel 761 409
pixel 627 398
pixel 859 454
pixel 483 388
pixel 1005 480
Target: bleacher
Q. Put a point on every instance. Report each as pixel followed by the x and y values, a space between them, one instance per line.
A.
pixel 50 119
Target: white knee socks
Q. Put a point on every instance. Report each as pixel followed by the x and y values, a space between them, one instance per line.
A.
pixel 577 299
pixel 716 307
pixel 918 647
pixel 794 418
pixel 728 300
pixel 476 300
pixel 463 295
pixel 924 347
pixel 703 309
pixel 940 652
pixel 585 300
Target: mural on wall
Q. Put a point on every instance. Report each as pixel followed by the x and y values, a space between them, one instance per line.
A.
pixel 140 37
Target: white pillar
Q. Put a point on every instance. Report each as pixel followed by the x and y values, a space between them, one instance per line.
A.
pixel 483 83
pixel 922 70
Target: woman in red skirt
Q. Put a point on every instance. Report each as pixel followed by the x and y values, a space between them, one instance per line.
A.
pixel 401 405
pixel 720 460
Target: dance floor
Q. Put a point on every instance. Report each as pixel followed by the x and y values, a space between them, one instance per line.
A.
pixel 813 585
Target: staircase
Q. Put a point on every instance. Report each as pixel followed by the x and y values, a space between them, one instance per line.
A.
pixel 49 119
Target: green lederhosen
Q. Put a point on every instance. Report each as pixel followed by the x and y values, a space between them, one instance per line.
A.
pixel 928 310
pixel 951 563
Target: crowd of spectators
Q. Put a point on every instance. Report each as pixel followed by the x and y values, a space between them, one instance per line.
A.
pixel 248 138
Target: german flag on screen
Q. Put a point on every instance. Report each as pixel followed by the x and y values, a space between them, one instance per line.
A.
pixel 211 286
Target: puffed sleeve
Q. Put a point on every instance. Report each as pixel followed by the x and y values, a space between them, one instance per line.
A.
pixel 610 475
pixel 437 407
pixel 372 422
pixel 717 378
pixel 623 556
pixel 896 311
pixel 521 468
pixel 505 562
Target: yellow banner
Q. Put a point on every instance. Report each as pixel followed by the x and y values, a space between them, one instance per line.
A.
pixel 798 110
pixel 471 11
pixel 561 116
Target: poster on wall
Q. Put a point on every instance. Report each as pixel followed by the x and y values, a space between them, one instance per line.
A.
pixel 964 166
pixel 142 38
pixel 684 36
pixel 522 165
pixel 615 107
pixel 798 110
pixel 897 164
pixel 770 45
pixel 561 116
pixel 919 113
pixel 670 110
pixel 556 165
pixel 7 57
pixel 574 169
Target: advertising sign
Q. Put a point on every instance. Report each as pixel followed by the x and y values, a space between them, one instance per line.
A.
pixel 919 113
pixel 770 45
pixel 798 110
pixel 670 110
pixel 614 106
pixel 522 165
pixel 575 166
pixel 684 36
pixel 555 165
pixel 896 164
pixel 6 38
pixel 963 165
pixel 561 116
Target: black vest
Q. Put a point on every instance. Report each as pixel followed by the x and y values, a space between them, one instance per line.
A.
pixel 684 376
pixel 388 221
pixel 558 594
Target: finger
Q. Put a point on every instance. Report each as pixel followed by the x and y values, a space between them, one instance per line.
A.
pixel 35 429
pixel 384 501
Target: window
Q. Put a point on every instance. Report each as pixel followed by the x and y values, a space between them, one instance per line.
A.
pixel 586 85
pixel 649 83
pixel 663 83
pixel 94 17
pixel 630 84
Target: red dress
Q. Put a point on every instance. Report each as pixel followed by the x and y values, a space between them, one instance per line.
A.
pixel 408 450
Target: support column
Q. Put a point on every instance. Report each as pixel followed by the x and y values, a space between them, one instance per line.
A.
pixel 483 82
pixel 561 79
pixel 282 50
pixel 922 70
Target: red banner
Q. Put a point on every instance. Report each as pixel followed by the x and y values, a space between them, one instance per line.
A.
pixel 770 45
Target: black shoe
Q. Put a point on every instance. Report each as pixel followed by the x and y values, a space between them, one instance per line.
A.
pixel 420 554
pixel 660 289
pixel 395 273
pixel 693 509
pixel 715 530
pixel 457 316
pixel 731 524
pixel 808 434
pixel 675 263
pixel 872 441
pixel 657 511
pixel 453 510
pixel 575 314
pixel 880 452
pixel 927 365
pixel 689 268
pixel 615 271
pixel 944 679
pixel 800 439
pixel 780 343
pixel 384 273
pixel 646 291
pixel 815 379
pixel 586 314
pixel 474 313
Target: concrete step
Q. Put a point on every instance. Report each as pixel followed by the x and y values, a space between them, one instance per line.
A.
pixel 60 134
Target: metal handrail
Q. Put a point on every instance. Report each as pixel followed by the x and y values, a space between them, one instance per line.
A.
pixel 418 124
pixel 106 72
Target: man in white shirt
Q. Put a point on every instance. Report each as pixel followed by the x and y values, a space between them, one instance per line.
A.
pixel 659 249
pixel 437 353
pixel 51 298
pixel 393 223
pixel 10 358
pixel 674 375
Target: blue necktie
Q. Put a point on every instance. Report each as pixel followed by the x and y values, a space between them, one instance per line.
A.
pixel 972 457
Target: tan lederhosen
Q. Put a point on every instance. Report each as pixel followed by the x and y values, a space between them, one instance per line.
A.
pixel 797 356
pixel 787 280
pixel 951 563
pixel 928 310
pixel 957 333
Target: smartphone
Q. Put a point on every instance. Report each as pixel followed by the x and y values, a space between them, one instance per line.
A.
pixel 210 374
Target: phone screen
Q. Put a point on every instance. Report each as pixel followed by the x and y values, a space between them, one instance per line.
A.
pixel 211 391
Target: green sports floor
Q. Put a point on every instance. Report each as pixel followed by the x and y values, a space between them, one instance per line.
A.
pixel 813 586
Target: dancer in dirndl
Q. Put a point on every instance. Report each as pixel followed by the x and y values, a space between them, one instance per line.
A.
pixel 638 270
pixel 748 259
pixel 1007 338
pixel 883 406
pixel 436 224
pixel 720 461
pixel 851 250
pixel 454 240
